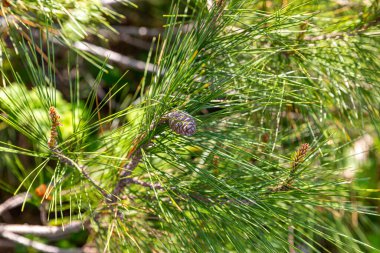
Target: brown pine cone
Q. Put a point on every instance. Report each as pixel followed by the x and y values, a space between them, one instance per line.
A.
pixel 181 123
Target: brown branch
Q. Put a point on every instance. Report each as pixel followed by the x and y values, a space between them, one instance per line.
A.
pixel 125 174
pixel 152 186
pixel 180 122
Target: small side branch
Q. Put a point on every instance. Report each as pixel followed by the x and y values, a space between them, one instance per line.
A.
pixel 126 173
pixel 146 184
pixel 66 160
pixel 44 231
pixel 36 245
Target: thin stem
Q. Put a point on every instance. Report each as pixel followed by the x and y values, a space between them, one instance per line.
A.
pixel 146 184
pixel 66 160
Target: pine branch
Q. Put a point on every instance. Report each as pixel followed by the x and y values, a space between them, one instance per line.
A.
pixel 126 173
pixel 233 65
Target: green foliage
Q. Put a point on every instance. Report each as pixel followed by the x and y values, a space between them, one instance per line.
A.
pixel 259 84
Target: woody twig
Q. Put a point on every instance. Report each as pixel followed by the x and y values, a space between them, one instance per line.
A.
pixel 180 122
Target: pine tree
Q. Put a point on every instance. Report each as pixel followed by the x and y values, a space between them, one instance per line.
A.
pixel 235 140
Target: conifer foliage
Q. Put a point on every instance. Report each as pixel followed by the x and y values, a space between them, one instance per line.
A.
pixel 235 138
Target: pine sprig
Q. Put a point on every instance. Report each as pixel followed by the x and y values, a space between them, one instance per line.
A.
pixel 299 157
